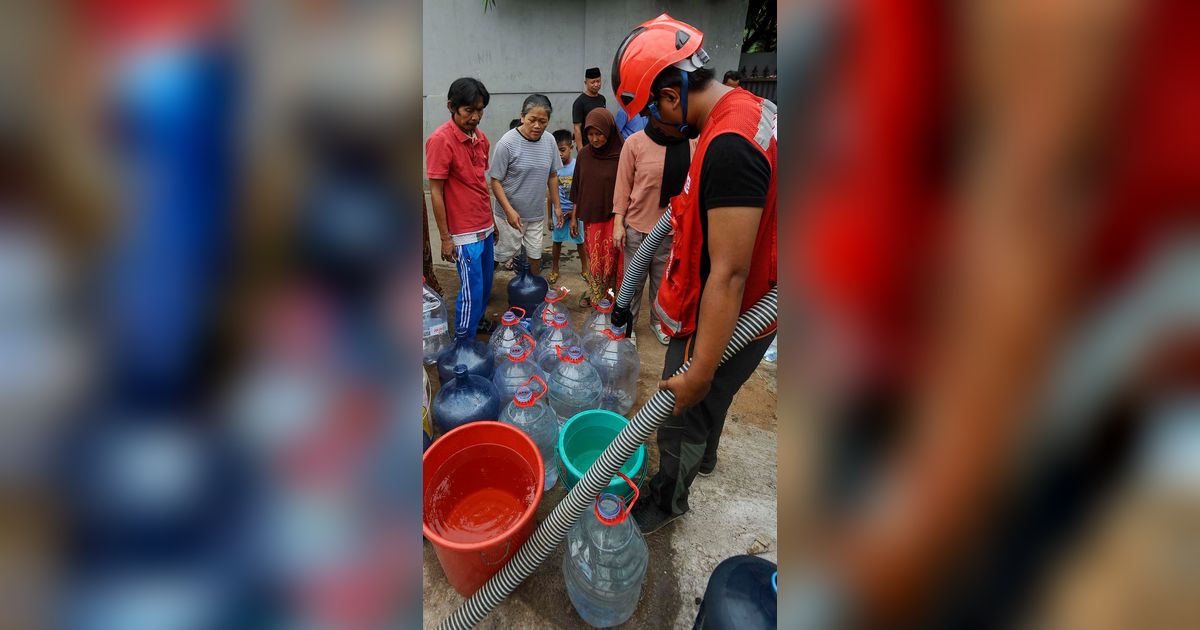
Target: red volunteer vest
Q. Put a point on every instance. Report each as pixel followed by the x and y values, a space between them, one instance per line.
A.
pixel 678 300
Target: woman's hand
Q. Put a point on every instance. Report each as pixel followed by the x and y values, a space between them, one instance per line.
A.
pixel 618 236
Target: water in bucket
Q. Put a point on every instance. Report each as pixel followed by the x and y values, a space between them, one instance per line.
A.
pixel 616 360
pixel 511 332
pixel 529 413
pixel 435 326
pixel 605 563
pixel 516 370
pixel 476 356
pixel 466 398
pixel 555 303
pixel 574 385
pixel 558 334
pixel 468 506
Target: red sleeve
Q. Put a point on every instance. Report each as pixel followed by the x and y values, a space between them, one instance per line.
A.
pixel 437 157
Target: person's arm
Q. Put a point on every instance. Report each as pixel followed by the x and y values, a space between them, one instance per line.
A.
pixel 626 167
pixel 514 218
pixel 552 201
pixel 437 195
pixel 731 236
pixel 579 136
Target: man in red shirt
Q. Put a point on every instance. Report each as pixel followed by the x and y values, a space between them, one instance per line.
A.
pixel 456 158
pixel 722 256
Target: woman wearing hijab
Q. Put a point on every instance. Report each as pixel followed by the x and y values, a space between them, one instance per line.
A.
pixel 592 193
pixel 652 169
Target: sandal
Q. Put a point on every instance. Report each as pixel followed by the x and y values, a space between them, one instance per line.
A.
pixel 585 301
pixel 552 277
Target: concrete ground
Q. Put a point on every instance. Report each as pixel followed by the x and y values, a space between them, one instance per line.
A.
pixel 733 511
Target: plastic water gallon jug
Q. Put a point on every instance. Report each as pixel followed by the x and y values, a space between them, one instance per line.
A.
pixel 528 412
pixel 574 385
pixel 435 325
pixel 517 368
pixel 555 302
pixel 599 320
pixel 526 290
pixel 558 334
pixel 616 360
pixel 465 350
pixel 511 331
pixel 466 398
pixel 605 562
pixel 741 593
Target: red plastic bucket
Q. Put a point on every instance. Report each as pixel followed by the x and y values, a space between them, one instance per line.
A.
pixel 481 483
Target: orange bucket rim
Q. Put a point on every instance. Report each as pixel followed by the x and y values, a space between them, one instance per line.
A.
pixel 516 527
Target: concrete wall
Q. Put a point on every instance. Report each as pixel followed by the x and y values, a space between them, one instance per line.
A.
pixel 524 46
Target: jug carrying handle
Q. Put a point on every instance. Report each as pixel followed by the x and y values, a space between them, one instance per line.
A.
pixel 537 395
pixel 518 308
pixel 620 518
pixel 562 293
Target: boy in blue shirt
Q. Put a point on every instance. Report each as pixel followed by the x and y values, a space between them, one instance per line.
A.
pixel 571 230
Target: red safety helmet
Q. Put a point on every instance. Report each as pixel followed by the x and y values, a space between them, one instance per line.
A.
pixel 650 48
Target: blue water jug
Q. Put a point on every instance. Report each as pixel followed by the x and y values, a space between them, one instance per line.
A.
pixel 466 398
pixel 526 290
pixel 518 367
pixel 741 593
pixel 528 412
pixel 605 562
pixel 599 320
pixel 616 360
pixel 558 334
pixel 465 350
pixel 574 385
pixel 555 302
pixel 510 332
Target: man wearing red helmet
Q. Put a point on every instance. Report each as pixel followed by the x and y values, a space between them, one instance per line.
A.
pixel 723 252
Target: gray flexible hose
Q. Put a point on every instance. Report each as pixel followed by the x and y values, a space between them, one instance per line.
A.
pixel 553 530
pixel 636 269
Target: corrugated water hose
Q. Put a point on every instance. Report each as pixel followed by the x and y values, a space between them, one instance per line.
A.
pixel 546 538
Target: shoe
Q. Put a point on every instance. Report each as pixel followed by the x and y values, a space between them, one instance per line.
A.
pixel 552 277
pixel 705 471
pixel 485 327
pixel 585 301
pixel 650 518
pixel 662 337
pixel 633 340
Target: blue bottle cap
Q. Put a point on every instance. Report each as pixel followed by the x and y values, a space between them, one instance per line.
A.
pixel 560 318
pixel 575 352
pixel 460 370
pixel 509 318
pixel 515 351
pixel 524 394
pixel 608 505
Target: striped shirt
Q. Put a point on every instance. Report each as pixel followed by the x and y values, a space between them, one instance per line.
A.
pixel 524 169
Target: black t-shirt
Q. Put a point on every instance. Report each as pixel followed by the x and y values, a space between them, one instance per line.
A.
pixel 734 173
pixel 583 105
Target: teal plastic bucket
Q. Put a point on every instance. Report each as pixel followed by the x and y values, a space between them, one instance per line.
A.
pixel 581 441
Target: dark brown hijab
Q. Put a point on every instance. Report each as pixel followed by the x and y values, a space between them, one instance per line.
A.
pixel 595 175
